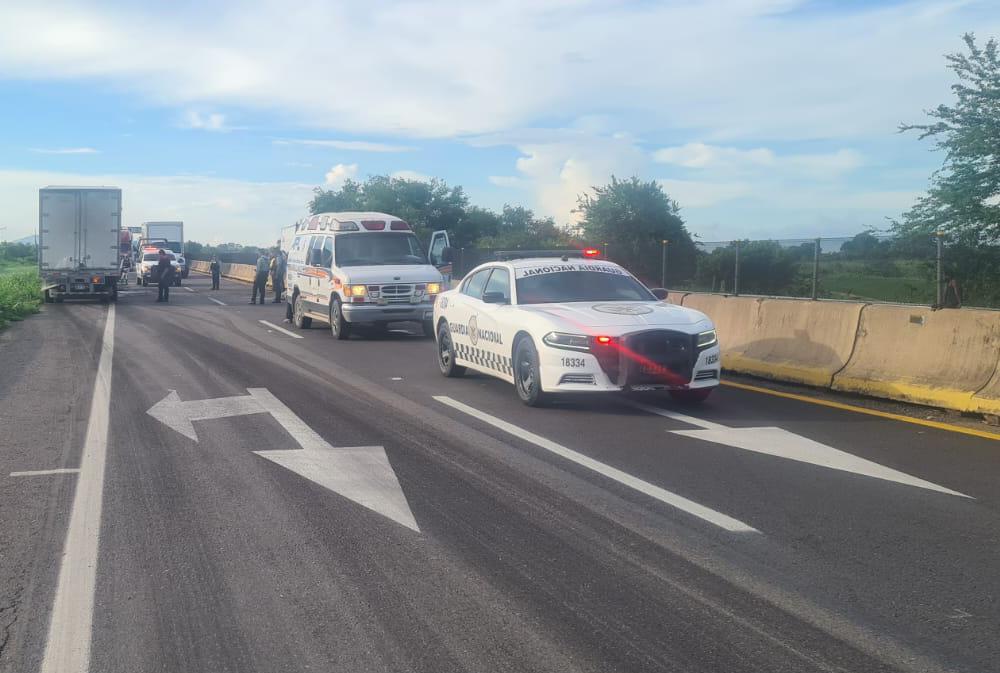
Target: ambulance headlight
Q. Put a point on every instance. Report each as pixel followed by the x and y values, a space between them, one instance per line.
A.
pixel 433 288
pixel 357 290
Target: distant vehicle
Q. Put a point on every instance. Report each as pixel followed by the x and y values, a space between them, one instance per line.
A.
pixel 173 234
pixel 566 325
pixel 78 242
pixel 356 268
pixel 146 271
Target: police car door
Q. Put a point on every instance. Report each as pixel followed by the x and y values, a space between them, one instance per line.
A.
pixel 460 310
pixel 486 295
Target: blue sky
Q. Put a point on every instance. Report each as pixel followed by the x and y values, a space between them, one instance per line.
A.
pixel 762 118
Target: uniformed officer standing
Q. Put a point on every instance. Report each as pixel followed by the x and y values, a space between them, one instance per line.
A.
pixel 165 272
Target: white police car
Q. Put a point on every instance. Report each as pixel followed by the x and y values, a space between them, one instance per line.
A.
pixel 573 325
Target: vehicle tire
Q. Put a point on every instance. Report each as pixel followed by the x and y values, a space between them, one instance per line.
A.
pixel 694 396
pixel 143 282
pixel 428 326
pixel 446 353
pixel 114 295
pixel 48 297
pixel 299 317
pixel 339 327
pixel 527 374
pixel 177 282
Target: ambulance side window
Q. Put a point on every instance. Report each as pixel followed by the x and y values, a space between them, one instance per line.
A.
pixel 315 244
pixel 327 252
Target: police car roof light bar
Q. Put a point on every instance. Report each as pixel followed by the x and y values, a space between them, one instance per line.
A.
pixel 507 255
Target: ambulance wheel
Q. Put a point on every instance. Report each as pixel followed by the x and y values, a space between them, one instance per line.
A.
pixel 527 374
pixel 299 317
pixel 339 327
pixel 695 396
pixel 446 353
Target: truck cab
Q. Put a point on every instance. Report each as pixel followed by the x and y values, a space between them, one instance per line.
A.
pixel 362 268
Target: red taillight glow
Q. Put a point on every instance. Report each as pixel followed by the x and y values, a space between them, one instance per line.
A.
pixel 399 225
pixel 373 225
pixel 591 252
pixel 603 340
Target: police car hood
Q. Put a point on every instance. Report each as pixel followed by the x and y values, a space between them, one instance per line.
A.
pixel 600 314
pixel 395 273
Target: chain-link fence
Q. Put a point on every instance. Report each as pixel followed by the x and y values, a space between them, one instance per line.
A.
pixel 930 270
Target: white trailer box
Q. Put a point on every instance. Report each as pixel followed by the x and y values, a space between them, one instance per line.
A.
pixel 173 232
pixel 78 241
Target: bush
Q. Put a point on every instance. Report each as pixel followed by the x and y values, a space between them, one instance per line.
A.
pixel 20 295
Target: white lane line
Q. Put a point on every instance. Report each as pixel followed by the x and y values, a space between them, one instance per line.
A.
pixel 280 329
pixel 67 649
pixel 42 473
pixel 220 303
pixel 189 288
pixel 774 441
pixel 706 514
pixel 690 420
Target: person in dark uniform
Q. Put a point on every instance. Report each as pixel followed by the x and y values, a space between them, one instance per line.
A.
pixel 165 276
pixel 216 270
pixel 278 266
pixel 260 278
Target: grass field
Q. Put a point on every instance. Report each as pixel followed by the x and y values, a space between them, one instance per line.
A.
pixel 20 293
pixel 904 281
pixel 17 266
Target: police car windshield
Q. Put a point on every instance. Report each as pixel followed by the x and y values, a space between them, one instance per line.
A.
pixel 375 249
pixel 542 286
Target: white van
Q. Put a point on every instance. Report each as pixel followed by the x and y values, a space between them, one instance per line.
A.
pixel 355 268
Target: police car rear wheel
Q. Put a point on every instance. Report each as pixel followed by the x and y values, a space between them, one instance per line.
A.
pixel 527 377
pixel 340 328
pixel 299 318
pixel 446 353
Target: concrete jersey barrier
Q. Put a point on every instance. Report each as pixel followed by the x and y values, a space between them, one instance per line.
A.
pixel 735 319
pixel 945 358
pixel 244 272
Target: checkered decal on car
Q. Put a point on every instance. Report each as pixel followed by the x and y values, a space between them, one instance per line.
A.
pixel 490 360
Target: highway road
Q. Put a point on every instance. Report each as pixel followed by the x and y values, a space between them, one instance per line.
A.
pixel 199 487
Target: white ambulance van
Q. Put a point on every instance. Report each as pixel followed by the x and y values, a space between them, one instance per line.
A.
pixel 352 268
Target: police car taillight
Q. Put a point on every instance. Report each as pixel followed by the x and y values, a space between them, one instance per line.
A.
pixel 591 252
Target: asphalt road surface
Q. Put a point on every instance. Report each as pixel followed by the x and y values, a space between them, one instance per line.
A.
pixel 269 499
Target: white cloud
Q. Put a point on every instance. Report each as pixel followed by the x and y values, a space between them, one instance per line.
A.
pixel 416 176
pixel 350 145
pixel 214 210
pixel 738 69
pixel 64 150
pixel 339 174
pixel 735 160
pixel 698 194
pixel 509 181
pixel 213 121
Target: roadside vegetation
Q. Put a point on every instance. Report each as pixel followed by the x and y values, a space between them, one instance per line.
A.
pixel 20 288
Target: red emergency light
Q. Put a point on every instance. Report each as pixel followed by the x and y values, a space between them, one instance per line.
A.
pixel 373 225
pixel 591 252
pixel 603 340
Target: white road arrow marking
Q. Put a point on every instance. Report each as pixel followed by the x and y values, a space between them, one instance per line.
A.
pixel 360 473
pixel 179 415
pixel 779 442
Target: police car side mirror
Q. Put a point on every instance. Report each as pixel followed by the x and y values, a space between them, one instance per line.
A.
pixel 446 255
pixel 494 298
pixel 660 293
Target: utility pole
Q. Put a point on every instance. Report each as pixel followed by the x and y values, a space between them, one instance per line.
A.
pixel 663 267
pixel 815 291
pixel 939 235
pixel 606 251
pixel 736 272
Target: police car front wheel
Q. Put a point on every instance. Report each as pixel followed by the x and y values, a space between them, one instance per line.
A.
pixel 527 374
pixel 446 353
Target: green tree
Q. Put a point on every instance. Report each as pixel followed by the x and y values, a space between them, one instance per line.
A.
pixel 427 206
pixel 964 197
pixel 519 228
pixel 765 268
pixel 633 217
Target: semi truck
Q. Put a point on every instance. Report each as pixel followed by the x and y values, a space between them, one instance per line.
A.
pixel 173 233
pixel 78 242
